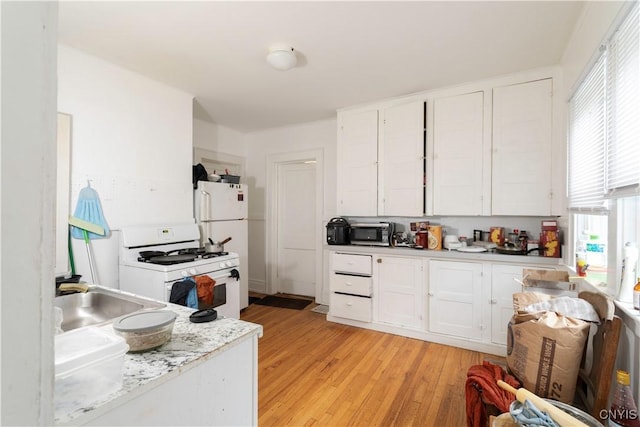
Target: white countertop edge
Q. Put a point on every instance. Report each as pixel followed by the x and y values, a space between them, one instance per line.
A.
pixel 446 254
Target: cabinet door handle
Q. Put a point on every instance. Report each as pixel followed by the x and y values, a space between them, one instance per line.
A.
pixel 430 294
pixel 493 301
pixel 349 304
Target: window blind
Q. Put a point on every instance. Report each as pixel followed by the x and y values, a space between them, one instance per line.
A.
pixel 586 180
pixel 623 108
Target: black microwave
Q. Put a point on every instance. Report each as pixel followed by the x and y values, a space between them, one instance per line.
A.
pixel 371 233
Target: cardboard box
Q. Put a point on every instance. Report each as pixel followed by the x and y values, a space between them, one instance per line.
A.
pixel 544 351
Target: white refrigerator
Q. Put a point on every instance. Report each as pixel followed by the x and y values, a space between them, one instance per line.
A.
pixel 221 211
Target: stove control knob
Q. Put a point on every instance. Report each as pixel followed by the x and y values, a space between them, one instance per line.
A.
pixel 184 273
pixel 193 272
pixel 229 263
pixel 222 265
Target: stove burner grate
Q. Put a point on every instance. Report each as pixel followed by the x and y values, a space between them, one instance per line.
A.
pixel 180 256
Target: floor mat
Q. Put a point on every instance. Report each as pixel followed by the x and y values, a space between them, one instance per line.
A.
pixel 252 300
pixel 282 302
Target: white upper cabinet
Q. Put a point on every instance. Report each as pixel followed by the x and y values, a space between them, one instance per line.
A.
pixel 401 161
pixel 457 154
pixel 381 161
pixel 358 163
pixel 521 155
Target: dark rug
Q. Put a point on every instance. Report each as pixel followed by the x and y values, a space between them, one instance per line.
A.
pixel 252 300
pixel 282 302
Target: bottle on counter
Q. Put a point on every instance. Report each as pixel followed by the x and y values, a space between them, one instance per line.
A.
pixel 628 277
pixel 623 412
pixel 636 295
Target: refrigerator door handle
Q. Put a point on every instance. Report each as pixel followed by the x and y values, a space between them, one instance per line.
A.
pixel 205 206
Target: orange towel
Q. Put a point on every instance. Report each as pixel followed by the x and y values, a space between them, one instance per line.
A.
pixel 482 387
pixel 204 286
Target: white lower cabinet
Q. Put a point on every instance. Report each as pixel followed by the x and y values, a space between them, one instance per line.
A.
pixel 399 299
pixel 350 284
pixel 503 286
pixel 455 298
pixel 465 303
pixel 353 307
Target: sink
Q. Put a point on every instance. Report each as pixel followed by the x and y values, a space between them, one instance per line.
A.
pixel 99 306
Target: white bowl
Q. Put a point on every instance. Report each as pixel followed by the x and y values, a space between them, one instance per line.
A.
pixel 213 177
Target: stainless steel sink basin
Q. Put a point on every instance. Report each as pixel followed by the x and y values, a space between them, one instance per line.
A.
pixel 99 306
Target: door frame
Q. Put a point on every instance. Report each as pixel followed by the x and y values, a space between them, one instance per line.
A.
pixel 271 230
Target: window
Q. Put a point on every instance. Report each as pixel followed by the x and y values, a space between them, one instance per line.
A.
pixel 604 153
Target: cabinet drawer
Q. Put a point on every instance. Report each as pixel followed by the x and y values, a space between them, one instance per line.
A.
pixel 350 263
pixel 356 285
pixel 350 307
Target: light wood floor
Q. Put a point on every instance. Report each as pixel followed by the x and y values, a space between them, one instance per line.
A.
pixel 314 372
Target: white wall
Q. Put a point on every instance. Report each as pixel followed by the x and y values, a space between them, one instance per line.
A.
pixel 589 32
pixel 220 139
pixel 27 200
pixel 260 145
pixel 132 139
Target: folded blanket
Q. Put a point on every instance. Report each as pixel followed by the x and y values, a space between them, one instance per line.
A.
pixel 482 388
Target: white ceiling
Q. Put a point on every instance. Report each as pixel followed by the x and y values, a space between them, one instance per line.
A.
pixel 348 52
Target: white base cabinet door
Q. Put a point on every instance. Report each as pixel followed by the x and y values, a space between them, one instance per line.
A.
pixel 503 286
pixel 455 298
pixel 399 298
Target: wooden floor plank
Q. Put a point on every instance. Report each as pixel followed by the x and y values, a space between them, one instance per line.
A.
pixel 317 373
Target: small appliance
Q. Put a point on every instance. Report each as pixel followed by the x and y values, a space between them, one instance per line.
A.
pixel 338 231
pixel 371 233
pixel 452 242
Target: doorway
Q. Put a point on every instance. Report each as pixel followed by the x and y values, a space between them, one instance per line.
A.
pixel 293 228
pixel 295 269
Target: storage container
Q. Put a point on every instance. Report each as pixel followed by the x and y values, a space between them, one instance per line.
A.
pixel 88 366
pixel 146 330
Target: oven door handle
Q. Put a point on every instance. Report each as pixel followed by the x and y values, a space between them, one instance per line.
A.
pixel 234 273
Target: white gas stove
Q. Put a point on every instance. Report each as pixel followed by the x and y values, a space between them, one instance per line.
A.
pixel 155 258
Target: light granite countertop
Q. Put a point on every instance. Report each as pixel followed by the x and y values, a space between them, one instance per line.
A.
pixel 191 344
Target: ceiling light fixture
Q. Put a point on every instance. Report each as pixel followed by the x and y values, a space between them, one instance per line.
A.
pixel 282 58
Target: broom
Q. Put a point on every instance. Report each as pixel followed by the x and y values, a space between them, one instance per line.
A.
pixel 88 227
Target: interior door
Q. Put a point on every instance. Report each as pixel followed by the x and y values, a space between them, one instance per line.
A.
pixel 296 269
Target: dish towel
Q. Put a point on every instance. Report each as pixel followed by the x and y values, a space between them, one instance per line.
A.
pixel 481 388
pixel 180 292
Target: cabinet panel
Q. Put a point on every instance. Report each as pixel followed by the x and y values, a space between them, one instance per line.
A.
pixel 521 158
pixel 351 263
pixel 357 163
pixel 348 284
pixel 457 157
pixel 350 307
pixel 400 291
pixel 503 286
pixel 455 298
pixel 401 160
